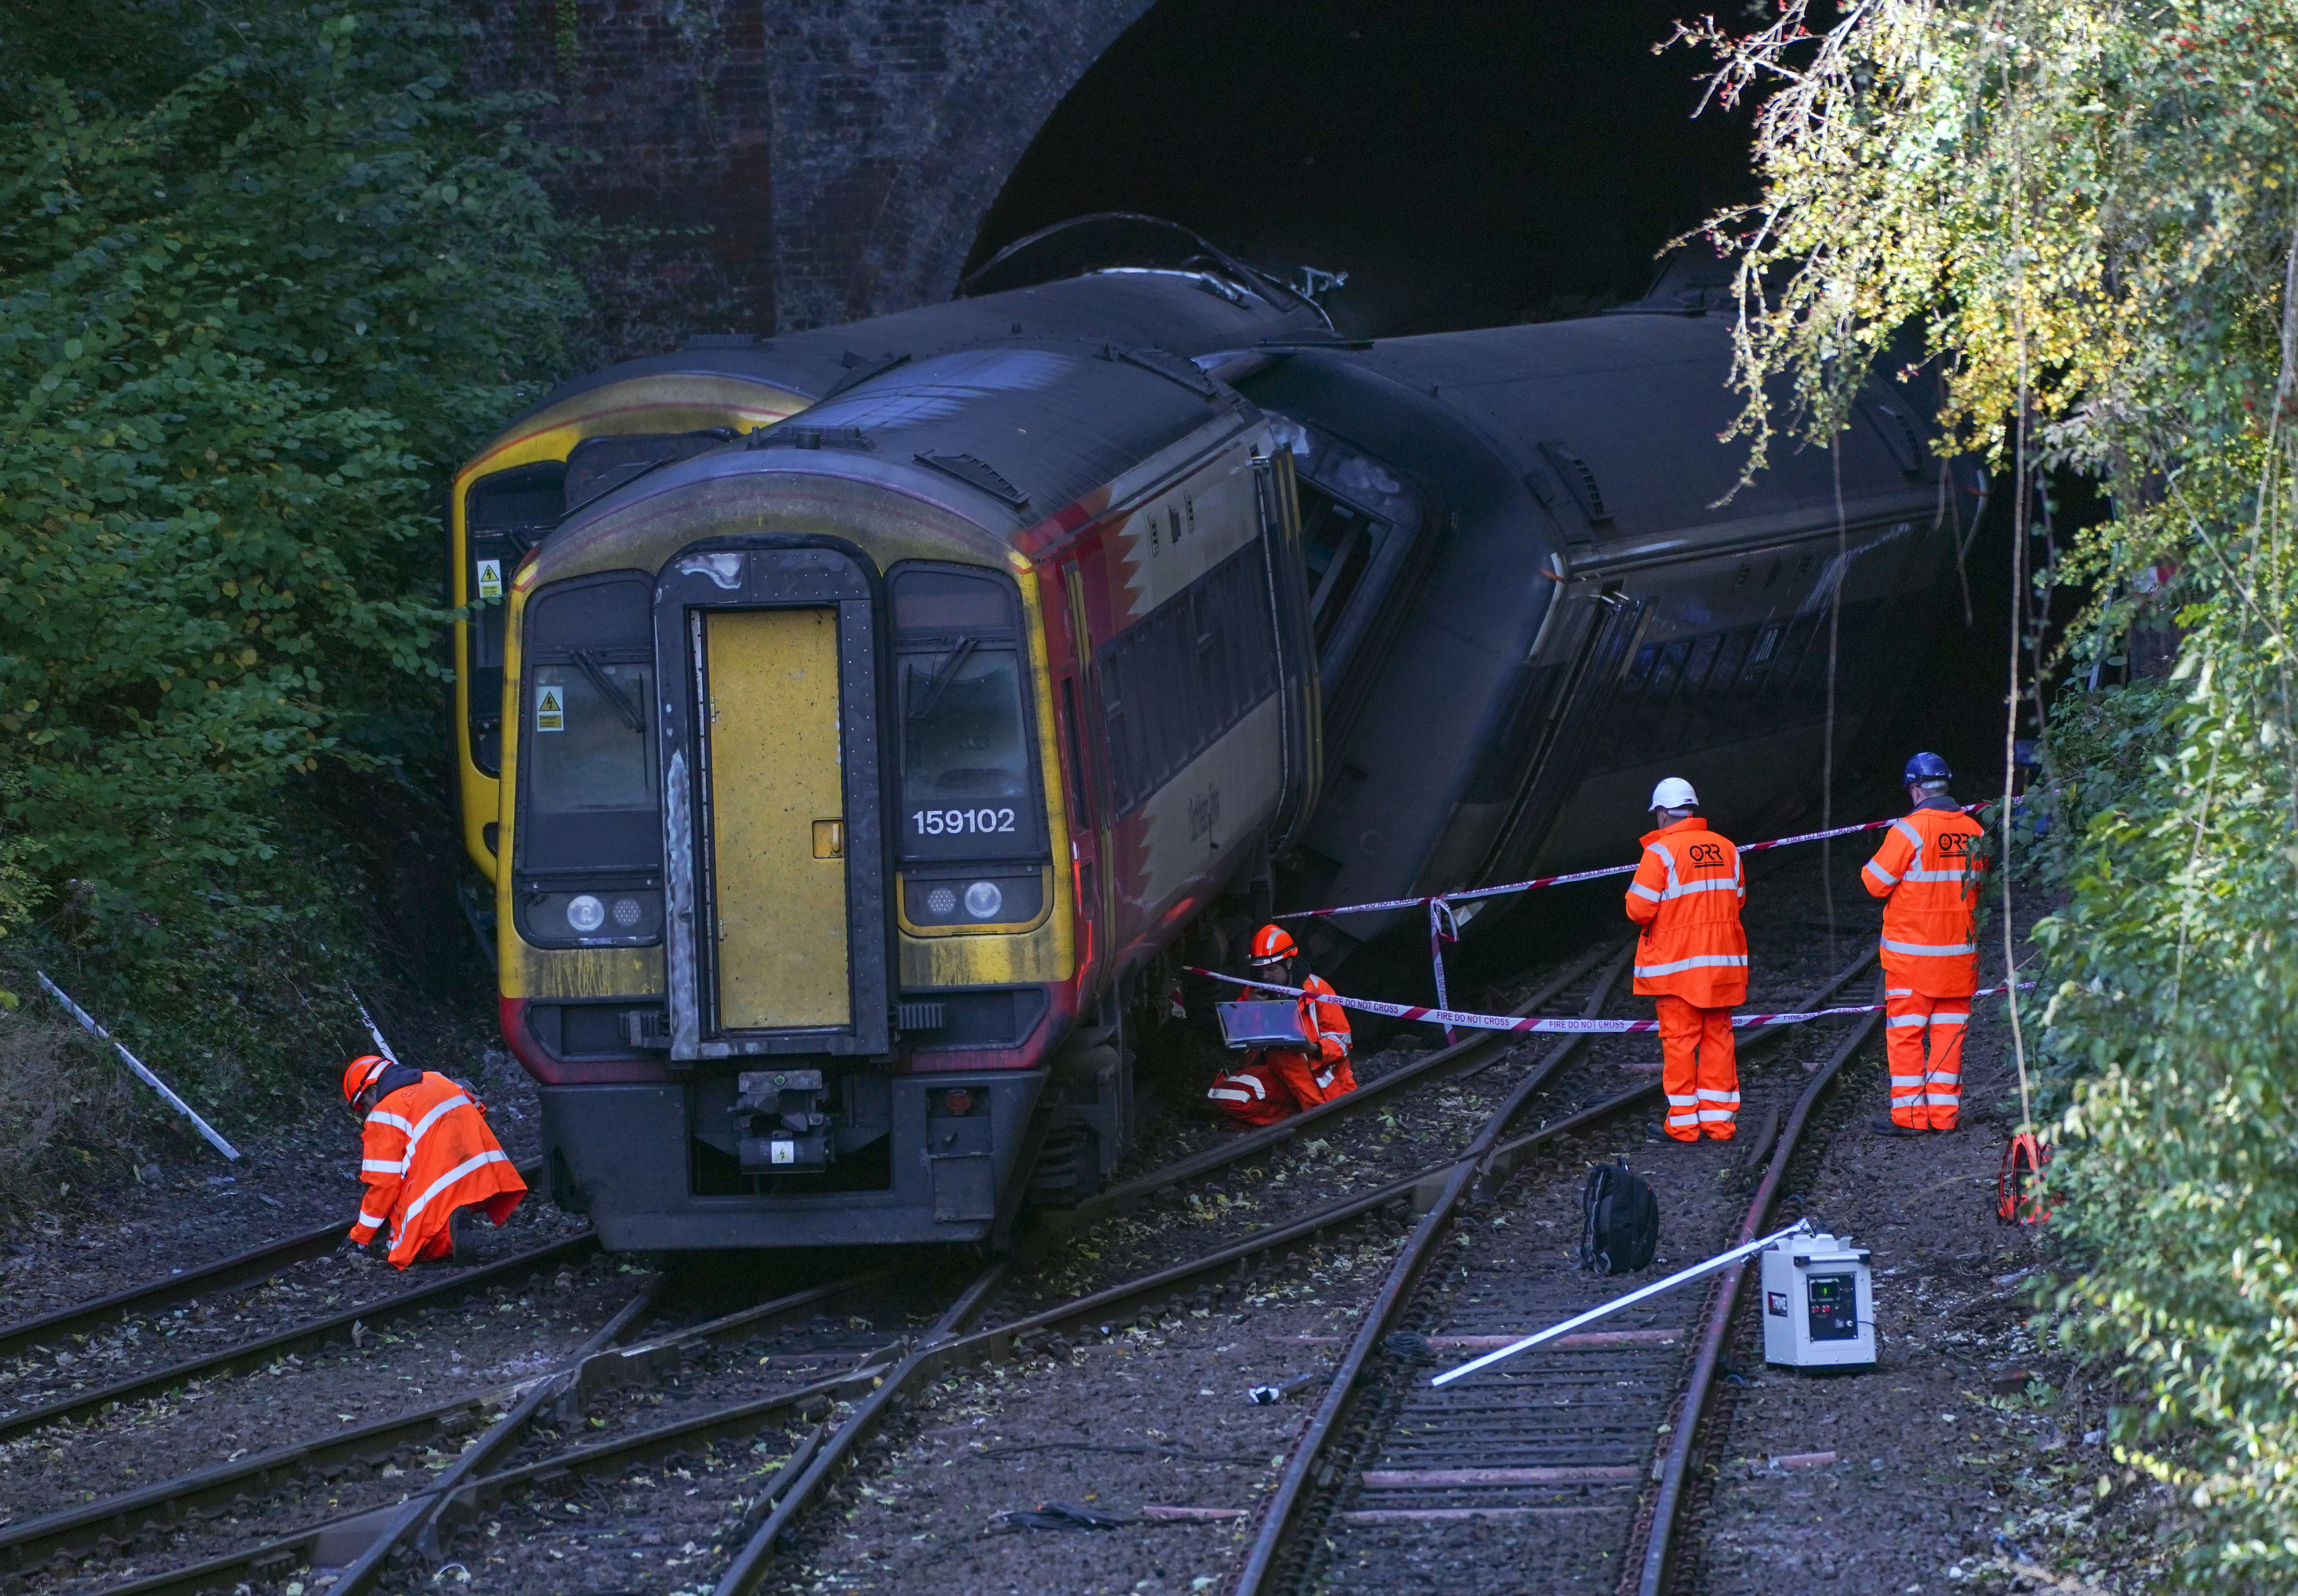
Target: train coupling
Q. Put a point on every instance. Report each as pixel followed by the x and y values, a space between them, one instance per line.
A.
pixel 784 1130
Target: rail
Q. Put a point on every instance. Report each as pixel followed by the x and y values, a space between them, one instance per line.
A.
pixel 256 1264
pixel 1481 1170
pixel 1654 1560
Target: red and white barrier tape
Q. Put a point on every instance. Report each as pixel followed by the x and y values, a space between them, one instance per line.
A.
pixel 1541 881
pixel 1579 1028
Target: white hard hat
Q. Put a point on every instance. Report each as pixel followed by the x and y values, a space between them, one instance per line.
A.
pixel 1674 793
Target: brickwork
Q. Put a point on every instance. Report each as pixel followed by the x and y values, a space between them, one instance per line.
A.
pixel 840 153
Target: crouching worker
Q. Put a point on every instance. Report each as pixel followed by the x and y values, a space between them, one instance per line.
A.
pixel 428 1160
pixel 1276 1083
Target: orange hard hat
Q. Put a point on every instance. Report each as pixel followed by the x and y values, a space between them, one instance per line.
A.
pixel 1272 944
pixel 359 1074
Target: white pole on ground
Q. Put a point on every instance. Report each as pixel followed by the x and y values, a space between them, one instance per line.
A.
pixel 381 1045
pixel 1801 1227
pixel 88 1023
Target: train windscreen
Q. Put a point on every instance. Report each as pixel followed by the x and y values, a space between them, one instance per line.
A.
pixel 969 787
pixel 590 837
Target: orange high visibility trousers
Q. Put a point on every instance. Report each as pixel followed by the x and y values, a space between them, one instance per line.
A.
pixel 1925 1095
pixel 1699 1069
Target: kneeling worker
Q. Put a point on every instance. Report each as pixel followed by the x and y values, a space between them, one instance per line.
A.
pixel 1692 958
pixel 428 1160
pixel 1276 1083
pixel 1928 881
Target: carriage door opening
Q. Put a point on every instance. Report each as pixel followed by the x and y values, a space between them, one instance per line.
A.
pixel 778 859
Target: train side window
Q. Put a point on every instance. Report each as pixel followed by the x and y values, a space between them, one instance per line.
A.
pixel 1337 544
pixel 1178 679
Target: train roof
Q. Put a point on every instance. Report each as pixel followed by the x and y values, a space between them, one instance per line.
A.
pixel 1612 423
pixel 1004 435
pixel 1188 304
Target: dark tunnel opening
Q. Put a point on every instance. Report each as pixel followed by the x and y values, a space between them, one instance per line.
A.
pixel 1465 165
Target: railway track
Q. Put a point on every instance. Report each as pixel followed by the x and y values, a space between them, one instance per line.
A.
pixel 764 1448
pixel 1562 1468
pixel 73 1546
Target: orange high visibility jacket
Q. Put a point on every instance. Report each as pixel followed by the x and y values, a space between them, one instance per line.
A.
pixel 1327 1025
pixel 426 1151
pixel 1686 896
pixel 1929 882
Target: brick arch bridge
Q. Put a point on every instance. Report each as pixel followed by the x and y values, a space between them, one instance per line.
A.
pixel 839 152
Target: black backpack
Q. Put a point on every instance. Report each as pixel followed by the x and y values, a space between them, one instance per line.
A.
pixel 1619 1221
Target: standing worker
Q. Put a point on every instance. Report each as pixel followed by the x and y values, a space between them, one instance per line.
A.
pixel 1928 881
pixel 1276 1083
pixel 1692 958
pixel 428 1160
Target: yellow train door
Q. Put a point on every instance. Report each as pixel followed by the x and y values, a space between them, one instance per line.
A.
pixel 777 820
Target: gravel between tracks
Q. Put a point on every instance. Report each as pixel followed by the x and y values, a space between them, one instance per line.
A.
pixel 1966 1429
pixel 920 1516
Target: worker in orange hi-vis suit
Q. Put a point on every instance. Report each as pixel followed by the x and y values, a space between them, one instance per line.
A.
pixel 428 1160
pixel 1276 1083
pixel 1692 959
pixel 1928 881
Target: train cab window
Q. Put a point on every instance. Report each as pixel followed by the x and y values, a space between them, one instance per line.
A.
pixel 587 785
pixel 968 784
pixel 504 516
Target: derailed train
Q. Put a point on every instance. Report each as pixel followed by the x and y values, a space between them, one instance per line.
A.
pixel 863 774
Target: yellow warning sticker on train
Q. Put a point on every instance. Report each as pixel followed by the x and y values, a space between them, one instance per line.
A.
pixel 489 579
pixel 549 710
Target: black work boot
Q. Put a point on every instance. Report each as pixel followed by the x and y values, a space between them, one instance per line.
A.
pixel 1888 1126
pixel 458 1232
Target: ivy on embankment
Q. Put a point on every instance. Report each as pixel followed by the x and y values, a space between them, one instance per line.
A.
pixel 2085 212
pixel 266 272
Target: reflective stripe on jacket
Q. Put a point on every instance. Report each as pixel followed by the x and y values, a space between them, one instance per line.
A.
pixel 1929 882
pixel 1686 896
pixel 425 1151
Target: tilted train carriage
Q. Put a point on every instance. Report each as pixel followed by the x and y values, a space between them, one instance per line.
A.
pixel 1599 606
pixel 845 767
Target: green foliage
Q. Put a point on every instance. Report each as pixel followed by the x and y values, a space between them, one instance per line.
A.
pixel 249 318
pixel 2089 209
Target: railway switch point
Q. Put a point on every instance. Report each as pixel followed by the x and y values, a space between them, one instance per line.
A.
pixel 1819 1303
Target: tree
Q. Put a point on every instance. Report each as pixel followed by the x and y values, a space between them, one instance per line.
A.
pixel 2090 211
pixel 249 316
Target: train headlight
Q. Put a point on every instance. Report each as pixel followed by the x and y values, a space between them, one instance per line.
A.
pixel 627 912
pixel 974 905
pixel 585 913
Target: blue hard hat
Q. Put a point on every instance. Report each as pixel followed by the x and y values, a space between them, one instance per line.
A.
pixel 1926 768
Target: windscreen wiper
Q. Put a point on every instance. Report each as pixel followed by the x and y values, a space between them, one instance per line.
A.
pixel 614 693
pixel 939 682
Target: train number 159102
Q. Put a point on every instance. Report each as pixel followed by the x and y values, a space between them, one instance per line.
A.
pixel 955 822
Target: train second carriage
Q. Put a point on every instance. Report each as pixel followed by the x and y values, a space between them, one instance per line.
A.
pixel 1600 602
pixel 845 766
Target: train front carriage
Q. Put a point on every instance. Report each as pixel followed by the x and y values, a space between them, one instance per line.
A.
pixel 848 768
pixel 1132 279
